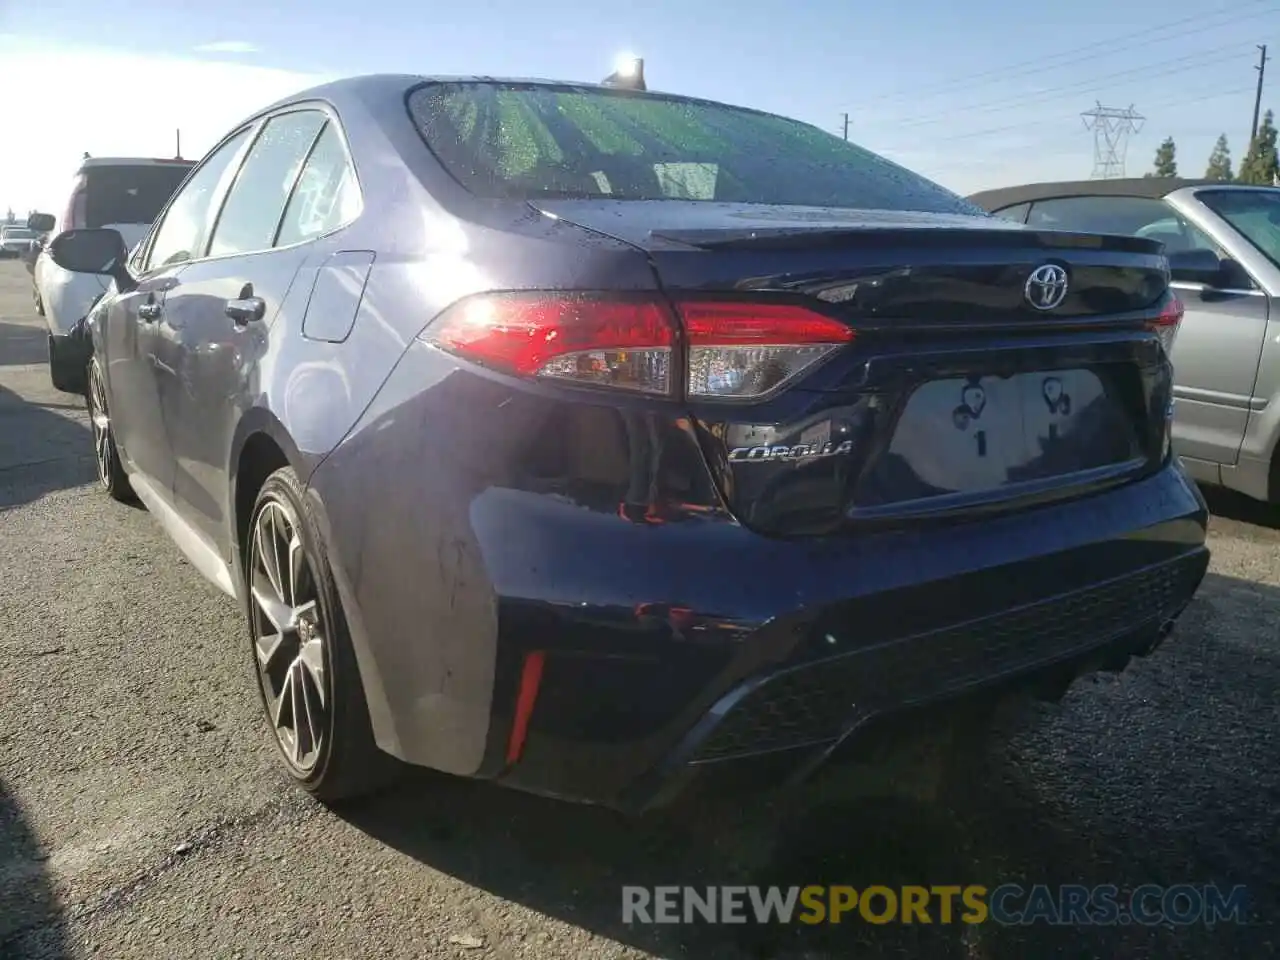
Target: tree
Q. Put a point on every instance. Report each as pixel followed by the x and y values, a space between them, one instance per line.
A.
pixel 1219 161
pixel 1260 163
pixel 1166 159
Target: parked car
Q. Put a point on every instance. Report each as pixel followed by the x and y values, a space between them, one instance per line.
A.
pixel 1223 244
pixel 120 193
pixel 534 457
pixel 32 251
pixel 15 241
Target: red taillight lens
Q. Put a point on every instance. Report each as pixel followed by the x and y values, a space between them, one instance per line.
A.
pixel 76 216
pixel 603 342
pixel 1166 324
pixel 736 350
pixel 743 349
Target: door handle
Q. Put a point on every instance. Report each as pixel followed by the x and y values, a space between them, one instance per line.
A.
pixel 149 311
pixel 245 310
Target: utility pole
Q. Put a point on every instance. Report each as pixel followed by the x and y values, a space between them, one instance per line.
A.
pixel 1257 100
pixel 178 145
pixel 846 126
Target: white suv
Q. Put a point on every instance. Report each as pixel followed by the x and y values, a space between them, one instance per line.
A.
pixel 123 193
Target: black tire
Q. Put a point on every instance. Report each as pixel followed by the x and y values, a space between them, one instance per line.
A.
pixel 347 763
pixel 111 475
pixel 67 368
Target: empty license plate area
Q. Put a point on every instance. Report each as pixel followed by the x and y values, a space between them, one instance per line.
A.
pixel 979 433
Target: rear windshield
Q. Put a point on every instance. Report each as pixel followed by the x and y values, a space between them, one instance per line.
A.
pixel 17 233
pixel 130 194
pixel 527 141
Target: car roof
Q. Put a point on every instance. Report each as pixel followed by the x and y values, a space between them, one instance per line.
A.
pixel 89 162
pixel 1152 188
pixel 386 91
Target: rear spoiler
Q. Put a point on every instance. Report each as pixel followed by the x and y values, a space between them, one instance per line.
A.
pixel 788 238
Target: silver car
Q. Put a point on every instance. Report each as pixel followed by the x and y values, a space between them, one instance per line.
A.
pixel 15 240
pixel 1223 243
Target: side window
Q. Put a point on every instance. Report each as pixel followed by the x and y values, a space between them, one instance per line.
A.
pixel 256 201
pixel 184 229
pixel 1017 213
pixel 326 195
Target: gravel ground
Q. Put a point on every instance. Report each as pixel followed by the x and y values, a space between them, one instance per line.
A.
pixel 141 814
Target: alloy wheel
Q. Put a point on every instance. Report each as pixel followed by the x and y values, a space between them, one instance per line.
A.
pixel 289 641
pixel 100 426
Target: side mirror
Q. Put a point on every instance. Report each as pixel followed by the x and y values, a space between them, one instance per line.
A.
pixel 100 252
pixel 1196 266
pixel 41 222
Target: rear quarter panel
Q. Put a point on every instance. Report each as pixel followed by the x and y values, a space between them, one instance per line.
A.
pixel 426 653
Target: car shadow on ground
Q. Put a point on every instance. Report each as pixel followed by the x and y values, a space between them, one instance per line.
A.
pixel 31 922
pixel 22 344
pixel 1236 506
pixel 42 449
pixel 1165 774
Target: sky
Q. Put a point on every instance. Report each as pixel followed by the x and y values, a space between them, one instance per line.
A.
pixel 975 95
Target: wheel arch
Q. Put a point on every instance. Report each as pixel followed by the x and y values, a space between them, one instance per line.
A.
pixel 262 445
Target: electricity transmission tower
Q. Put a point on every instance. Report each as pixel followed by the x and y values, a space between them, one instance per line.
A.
pixel 1112 127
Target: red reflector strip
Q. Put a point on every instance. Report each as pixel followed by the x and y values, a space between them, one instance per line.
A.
pixel 526 697
pixel 732 323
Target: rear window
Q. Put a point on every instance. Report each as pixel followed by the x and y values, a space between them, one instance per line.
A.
pixel 526 141
pixel 129 194
pixel 17 233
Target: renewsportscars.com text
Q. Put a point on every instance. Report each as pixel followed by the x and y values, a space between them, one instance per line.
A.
pixel 1008 904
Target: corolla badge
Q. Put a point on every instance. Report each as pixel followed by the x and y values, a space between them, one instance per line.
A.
pixel 1046 288
pixel 797 451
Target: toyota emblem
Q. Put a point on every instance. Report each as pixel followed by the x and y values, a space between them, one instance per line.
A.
pixel 1046 287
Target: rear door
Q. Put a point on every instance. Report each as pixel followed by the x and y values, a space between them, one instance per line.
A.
pixel 1215 357
pixel 134 324
pixel 218 325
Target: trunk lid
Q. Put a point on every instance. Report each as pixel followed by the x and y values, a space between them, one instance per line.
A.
pixel 957 394
pixel 872 264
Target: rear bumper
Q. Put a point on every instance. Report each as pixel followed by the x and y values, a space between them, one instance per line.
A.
pixel 635 728
pixel 667 649
pixel 788 723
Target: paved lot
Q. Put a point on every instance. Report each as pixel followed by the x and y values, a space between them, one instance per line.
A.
pixel 141 814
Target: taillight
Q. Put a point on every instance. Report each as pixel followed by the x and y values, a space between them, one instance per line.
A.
pixel 613 343
pixel 743 349
pixel 733 350
pixel 76 216
pixel 1165 326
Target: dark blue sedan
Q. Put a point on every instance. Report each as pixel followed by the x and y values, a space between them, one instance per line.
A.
pixel 588 439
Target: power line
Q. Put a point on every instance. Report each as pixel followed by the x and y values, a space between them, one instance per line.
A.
pixel 1072 57
pixel 1062 135
pixel 1174 66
